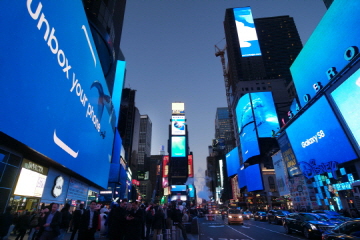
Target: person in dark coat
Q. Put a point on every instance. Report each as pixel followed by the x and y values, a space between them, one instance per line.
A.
pixel 176 216
pixel 89 223
pixel 50 224
pixel 76 220
pixel 6 220
pixel 65 221
pixel 23 225
pixel 149 218
pixel 117 221
pixel 135 223
pixel 158 222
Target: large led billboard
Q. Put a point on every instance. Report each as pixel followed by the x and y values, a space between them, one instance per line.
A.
pixel 288 155
pixel 178 108
pixel 241 177
pixel 319 144
pixel 254 178
pixel 248 40
pixel 178 146
pixel 232 162
pixel 57 101
pixel 349 106
pixel 178 188
pixel 178 125
pixel 314 66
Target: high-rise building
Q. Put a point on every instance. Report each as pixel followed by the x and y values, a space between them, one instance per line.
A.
pixel 144 141
pixel 223 132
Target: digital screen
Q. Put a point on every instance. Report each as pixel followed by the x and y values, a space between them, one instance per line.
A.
pixel 243 112
pixel 178 147
pixel 282 179
pixel 253 178
pixel 246 31
pixel 118 85
pixel 232 162
pixel 288 155
pixel 178 108
pixel 56 92
pixel 30 183
pixel 165 182
pixel 265 113
pixel 178 188
pixel 241 178
pixel 180 197
pixel 339 29
pixel 191 190
pixel 349 106
pixel 316 143
pixel 178 125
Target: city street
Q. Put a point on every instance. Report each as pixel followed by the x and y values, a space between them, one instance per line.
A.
pixel 251 230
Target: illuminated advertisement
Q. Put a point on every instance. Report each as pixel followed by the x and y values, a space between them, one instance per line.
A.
pixel 118 85
pixel 178 147
pixel 165 166
pixel 288 156
pixel 191 190
pixel 232 162
pixel 178 188
pixel 349 106
pixel 316 64
pixel 253 178
pixel 56 92
pixel 241 177
pixel 282 179
pixel 190 166
pixel 178 197
pixel 165 182
pixel 248 40
pixel 178 108
pixel 265 114
pixel 319 145
pixel 178 125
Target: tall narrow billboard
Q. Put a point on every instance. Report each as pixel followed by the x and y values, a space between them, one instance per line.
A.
pixel 178 146
pixel 248 40
pixel 178 125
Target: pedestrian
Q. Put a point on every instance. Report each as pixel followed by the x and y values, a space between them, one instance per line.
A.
pixel 34 224
pixel 50 224
pixel 185 217
pixel 177 220
pixel 6 219
pixel 149 218
pixel 23 225
pixel 135 223
pixel 158 221
pixel 75 223
pixel 65 221
pixel 117 221
pixel 103 218
pixel 89 223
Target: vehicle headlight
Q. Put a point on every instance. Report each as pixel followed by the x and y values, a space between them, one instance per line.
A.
pixel 277 216
pixel 230 216
pixel 313 227
pixel 240 217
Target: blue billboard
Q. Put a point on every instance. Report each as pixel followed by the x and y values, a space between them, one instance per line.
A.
pixel 288 155
pixel 178 188
pixel 349 106
pixel 248 40
pixel 319 145
pixel 55 96
pixel 241 177
pixel 232 162
pixel 317 64
pixel 178 146
pixel 254 178
pixel 265 114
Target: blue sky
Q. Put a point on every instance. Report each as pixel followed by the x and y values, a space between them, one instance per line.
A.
pixel 170 54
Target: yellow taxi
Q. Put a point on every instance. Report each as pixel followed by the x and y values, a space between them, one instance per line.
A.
pixel 235 216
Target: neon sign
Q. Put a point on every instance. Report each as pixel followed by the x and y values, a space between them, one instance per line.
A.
pixel 310 169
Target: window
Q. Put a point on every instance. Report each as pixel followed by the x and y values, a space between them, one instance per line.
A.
pixel 258 88
pixel 269 87
pixel 264 88
pixel 271 184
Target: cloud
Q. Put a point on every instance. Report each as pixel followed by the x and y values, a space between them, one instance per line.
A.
pixel 245 34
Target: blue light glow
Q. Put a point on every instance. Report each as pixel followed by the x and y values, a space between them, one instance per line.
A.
pixel 232 162
pixel 253 178
pixel 178 147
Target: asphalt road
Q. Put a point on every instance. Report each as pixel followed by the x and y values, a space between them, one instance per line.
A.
pixel 251 230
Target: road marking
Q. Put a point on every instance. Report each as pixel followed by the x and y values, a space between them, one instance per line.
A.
pixel 241 233
pixel 214 226
pixel 276 232
pixel 245 226
pixel 64 147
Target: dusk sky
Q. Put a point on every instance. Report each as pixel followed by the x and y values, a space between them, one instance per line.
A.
pixel 170 56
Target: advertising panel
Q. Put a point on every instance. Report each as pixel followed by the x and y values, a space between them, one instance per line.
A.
pixel 190 166
pixel 191 190
pixel 165 166
pixel 248 40
pixel 178 188
pixel 118 85
pixel 178 108
pixel 265 114
pixel 288 156
pixel 57 101
pixel 178 125
pixel 319 146
pixel 178 147
pixel 232 162
pixel 316 64
pixel 282 179
pixel 165 182
pixel 242 178
pixel 349 106
pixel 254 178
pixel 77 190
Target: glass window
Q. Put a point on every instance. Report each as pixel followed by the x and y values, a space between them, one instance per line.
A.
pixel 3 156
pixel 14 160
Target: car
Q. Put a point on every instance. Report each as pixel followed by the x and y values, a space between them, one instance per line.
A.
pixel 336 219
pixel 235 216
pixel 310 224
pixel 276 216
pixel 247 215
pixel 346 230
pixel 261 216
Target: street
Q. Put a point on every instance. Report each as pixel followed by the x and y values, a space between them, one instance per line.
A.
pixel 251 230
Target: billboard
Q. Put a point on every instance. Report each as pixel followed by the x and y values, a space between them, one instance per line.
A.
pixel 190 166
pixel 319 145
pixel 316 64
pixel 248 40
pixel 57 101
pixel 241 177
pixel 232 162
pixel 165 166
pixel 178 188
pixel 253 178
pixel 282 179
pixel 178 108
pixel 349 106
pixel 178 125
pixel 178 146
pixel 288 156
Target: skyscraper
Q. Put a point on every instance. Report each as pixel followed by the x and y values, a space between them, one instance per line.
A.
pixel 144 141
pixel 223 128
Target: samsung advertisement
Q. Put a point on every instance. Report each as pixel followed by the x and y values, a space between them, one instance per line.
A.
pixel 178 146
pixel 57 101
pixel 178 125
pixel 319 144
pixel 253 178
pixel 232 162
pixel 339 29
pixel 248 41
pixel 349 106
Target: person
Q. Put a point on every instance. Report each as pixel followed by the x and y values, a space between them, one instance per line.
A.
pixel 134 225
pixel 34 224
pixel 6 220
pixel 89 223
pixel 117 221
pixel 158 221
pixel 177 220
pixel 185 217
pixel 65 221
pixel 149 218
pixel 50 224
pixel 103 216
pixel 23 225
pixel 76 220
pixel 167 217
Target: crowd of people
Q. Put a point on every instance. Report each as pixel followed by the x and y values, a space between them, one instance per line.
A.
pixel 121 221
